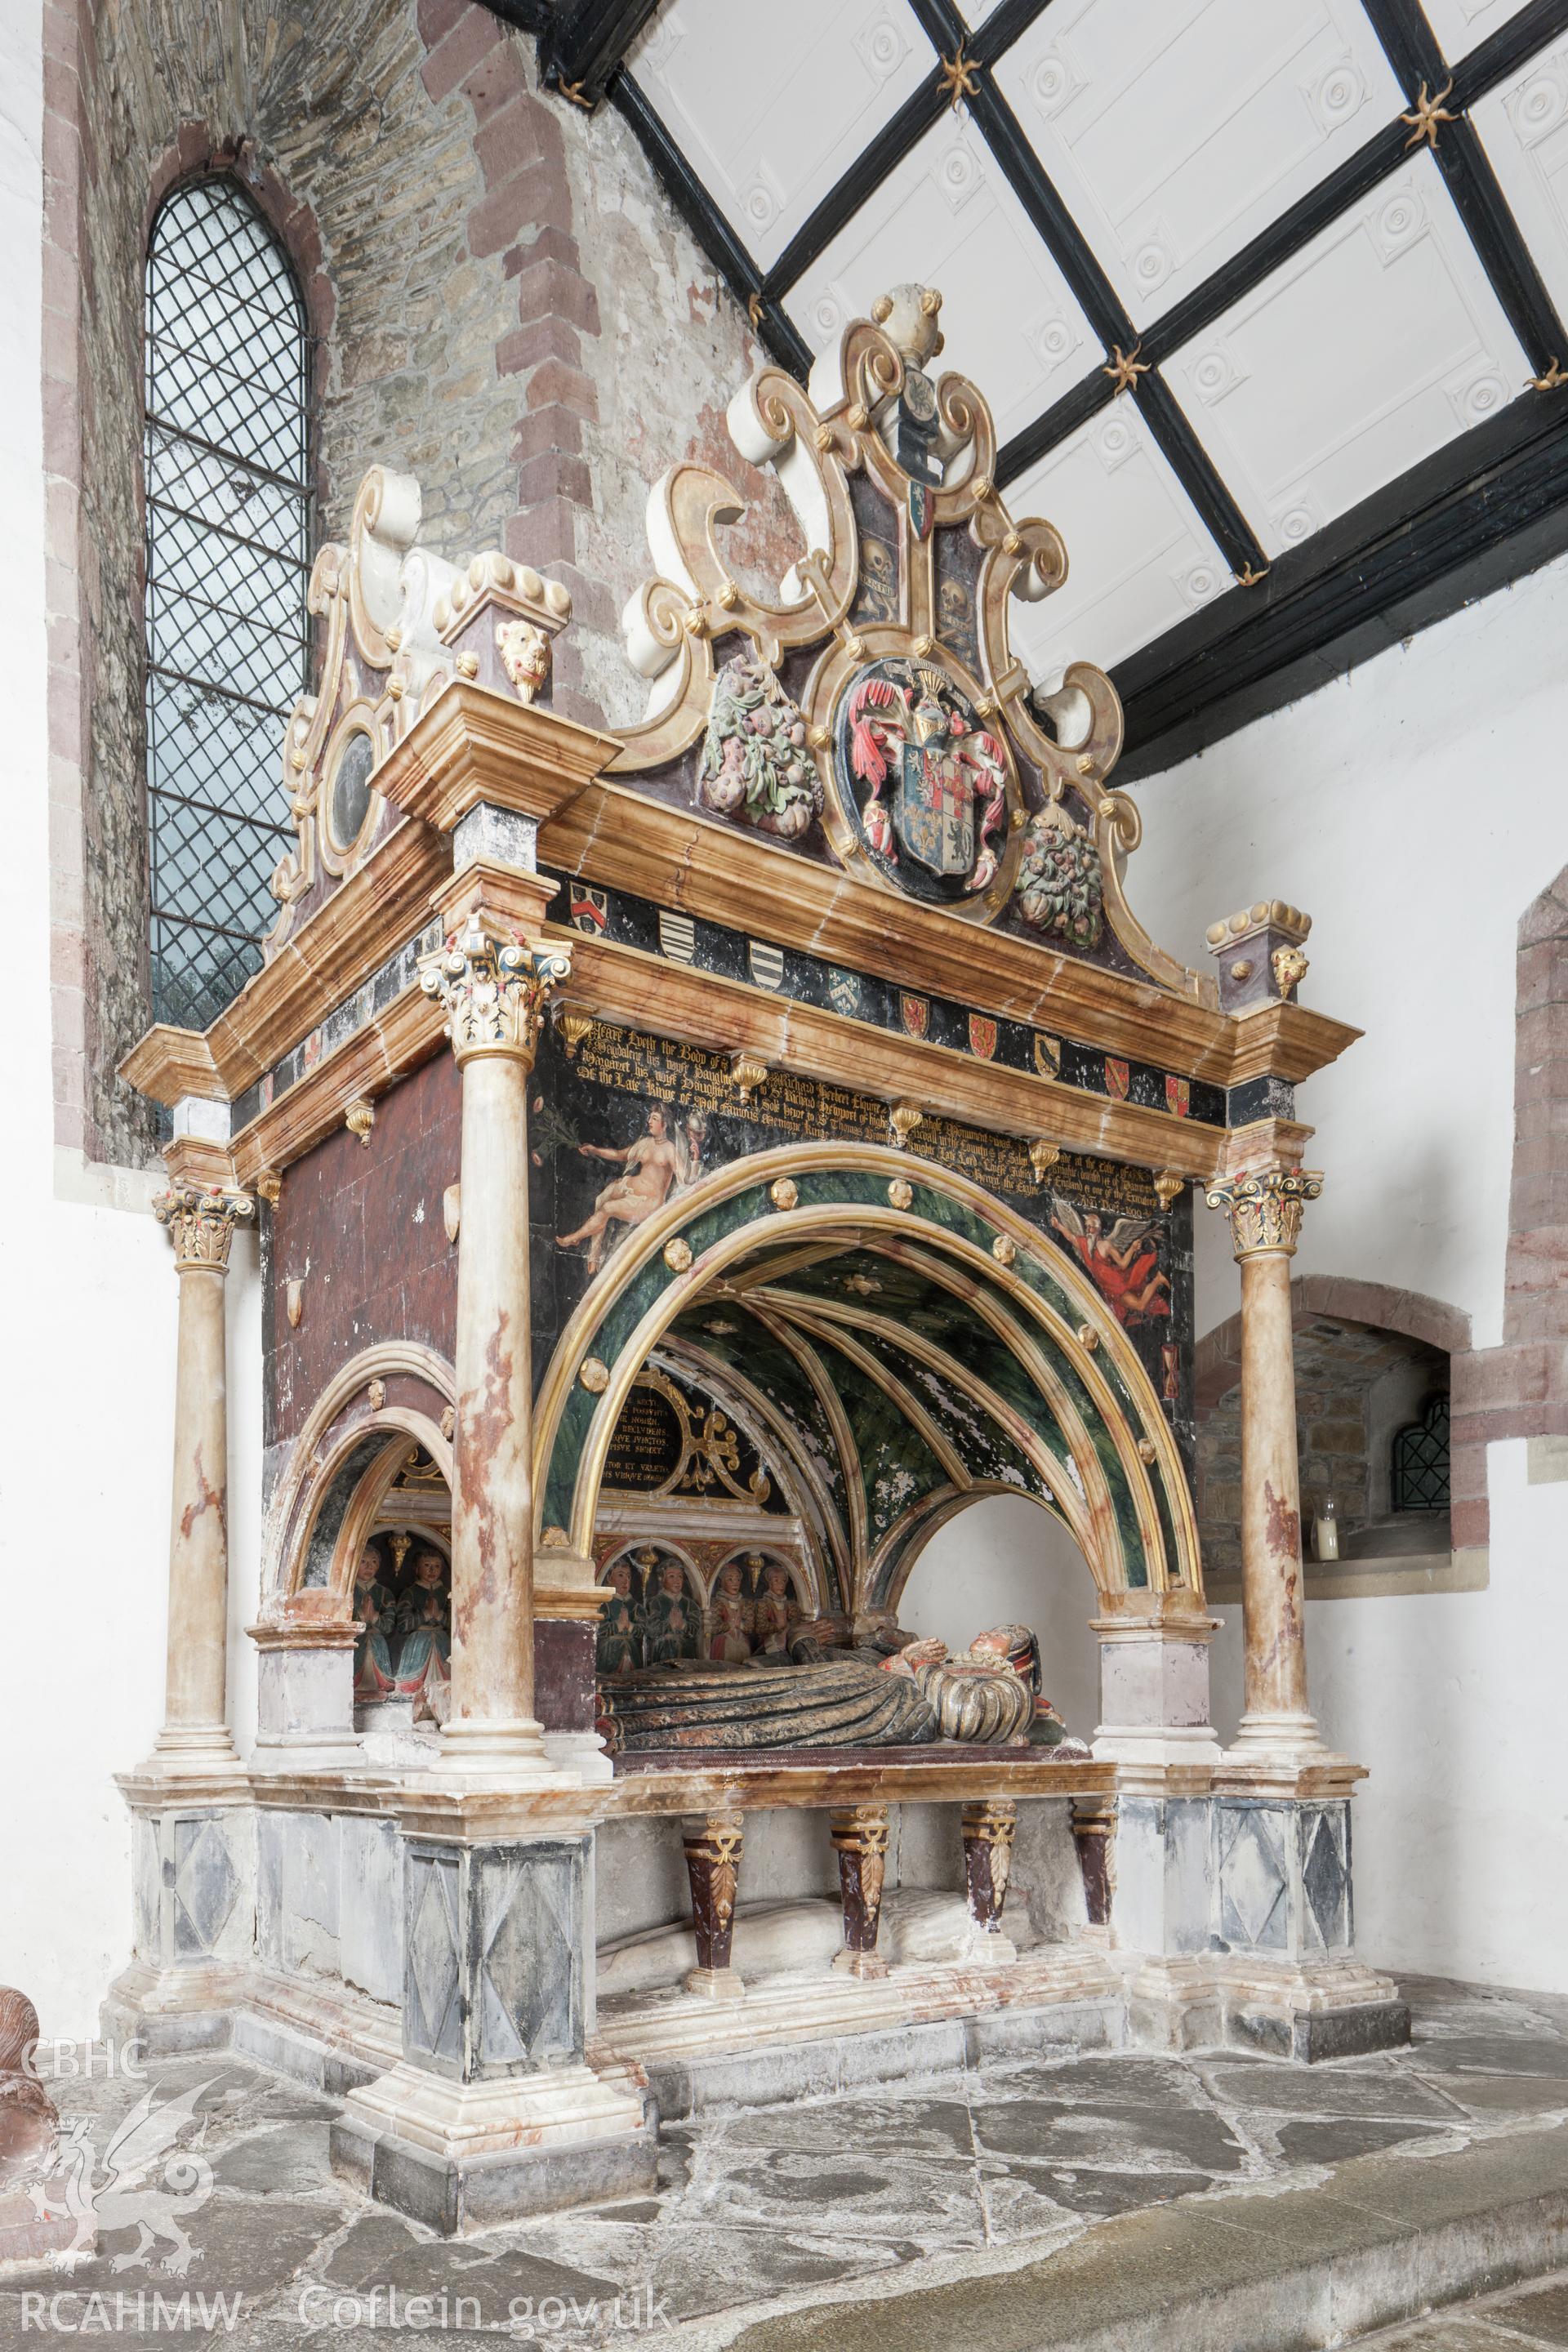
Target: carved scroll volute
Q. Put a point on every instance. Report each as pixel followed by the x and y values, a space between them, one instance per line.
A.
pixel 384 527
pixel 870 367
pixel 674 617
pixel 968 429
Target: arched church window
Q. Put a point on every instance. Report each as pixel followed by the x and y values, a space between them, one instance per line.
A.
pixel 226 454
pixel 1420 1471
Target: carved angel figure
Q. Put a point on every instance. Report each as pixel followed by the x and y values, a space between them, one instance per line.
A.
pixel 754 759
pixel 941 765
pixel 1123 1264
pixel 1060 885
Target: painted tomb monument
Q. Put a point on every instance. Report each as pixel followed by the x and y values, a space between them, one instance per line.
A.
pixel 693 1166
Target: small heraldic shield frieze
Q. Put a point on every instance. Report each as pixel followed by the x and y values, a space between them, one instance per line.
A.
pixel 982 1037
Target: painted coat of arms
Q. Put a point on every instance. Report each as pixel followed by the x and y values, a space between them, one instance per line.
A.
pixel 933 782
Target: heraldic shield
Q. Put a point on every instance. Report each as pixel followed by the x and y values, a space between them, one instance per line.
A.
pixel 934 808
pixel 932 781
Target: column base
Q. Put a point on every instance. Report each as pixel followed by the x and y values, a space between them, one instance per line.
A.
pixel 319 1752
pixel 171 2011
pixel 866 1965
pixel 508 1753
pixel 460 2157
pixel 715 1984
pixel 1309 2012
pixel 1158 1745
pixel 579 1755
pixel 989 1947
pixel 193 1751
pixel 1276 1751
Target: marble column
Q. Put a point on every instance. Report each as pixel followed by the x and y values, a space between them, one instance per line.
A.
pixel 494 990
pixel 713 1843
pixel 1264 1212
pixel 859 1834
pixel 195 1737
pixel 989 1824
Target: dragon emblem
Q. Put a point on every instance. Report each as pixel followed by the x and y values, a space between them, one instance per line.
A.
pixel 913 740
pixel 146 2182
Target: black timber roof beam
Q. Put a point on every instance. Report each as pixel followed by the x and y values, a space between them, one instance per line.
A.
pixel 586 43
pixel 1478 513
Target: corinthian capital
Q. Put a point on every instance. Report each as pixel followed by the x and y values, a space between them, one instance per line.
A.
pixel 1265 1208
pixel 493 991
pixel 201 1222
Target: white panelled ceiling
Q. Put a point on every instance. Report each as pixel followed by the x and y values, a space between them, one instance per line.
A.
pixel 1175 130
pixel 1327 282
pixel 1352 363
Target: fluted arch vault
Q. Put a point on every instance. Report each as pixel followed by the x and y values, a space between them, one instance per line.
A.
pixel 906 1338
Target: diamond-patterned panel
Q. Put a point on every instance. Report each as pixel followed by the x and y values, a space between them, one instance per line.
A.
pixel 226 464
pixel 433 2013
pixel 1326 1877
pixel 205 1884
pixel 1254 1883
pixel 529 2013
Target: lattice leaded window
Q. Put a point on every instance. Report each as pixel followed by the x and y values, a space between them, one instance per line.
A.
pixel 228 462
pixel 1420 1465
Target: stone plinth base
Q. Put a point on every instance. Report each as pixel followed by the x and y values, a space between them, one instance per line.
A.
pixel 1306 2011
pixel 170 2010
pixel 461 2157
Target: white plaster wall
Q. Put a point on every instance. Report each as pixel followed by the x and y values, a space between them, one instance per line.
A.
pixel 88 1302
pixel 1414 809
pixel 1460 1836
pixel 1003 1560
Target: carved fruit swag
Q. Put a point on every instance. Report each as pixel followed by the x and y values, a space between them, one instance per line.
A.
pixel 1060 890
pixel 755 761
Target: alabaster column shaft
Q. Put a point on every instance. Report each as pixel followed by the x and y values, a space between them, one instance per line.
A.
pixel 1264 1212
pixel 196 1733
pixel 198 1537
pixel 492 1496
pixel 1270 1494
pixel 494 992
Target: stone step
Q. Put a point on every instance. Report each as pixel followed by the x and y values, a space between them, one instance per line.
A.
pixel 1378 2239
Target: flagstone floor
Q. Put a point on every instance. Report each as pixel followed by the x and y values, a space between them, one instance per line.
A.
pixel 758 2205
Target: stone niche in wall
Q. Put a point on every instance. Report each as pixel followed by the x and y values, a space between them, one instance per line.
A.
pixel 1358 1387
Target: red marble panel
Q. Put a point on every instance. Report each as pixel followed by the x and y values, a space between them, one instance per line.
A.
pixel 361 1226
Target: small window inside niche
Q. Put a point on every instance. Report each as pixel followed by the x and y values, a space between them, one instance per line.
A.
pixel 1418 1472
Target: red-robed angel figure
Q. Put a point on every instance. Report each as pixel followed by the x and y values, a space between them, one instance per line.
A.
pixel 1123 1264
